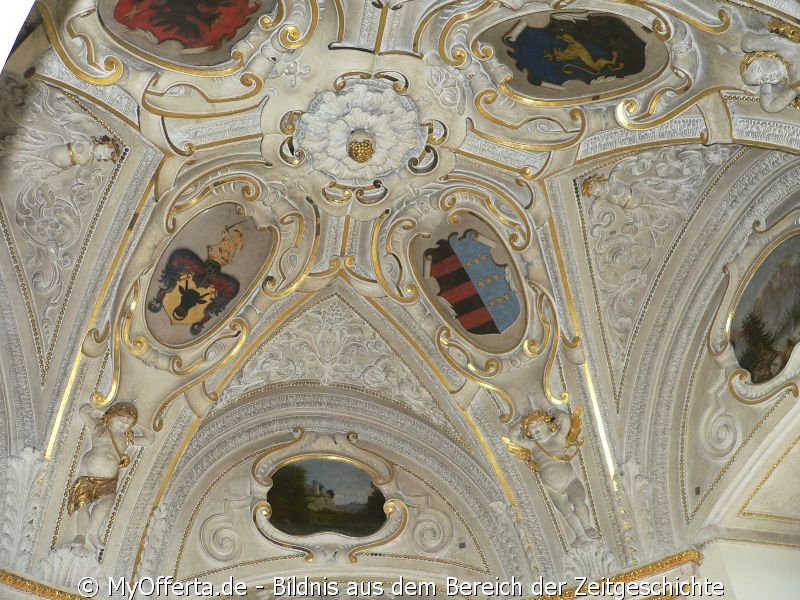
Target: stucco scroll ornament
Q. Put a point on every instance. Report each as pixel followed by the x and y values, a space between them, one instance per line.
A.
pixel 548 441
pixel 470 79
pixel 753 336
pixel 59 161
pixel 210 208
pixel 219 537
pixel 772 64
pixel 114 435
pixel 363 143
pixel 494 216
pixel 720 432
pixel 103 51
pixel 634 211
pixel 327 546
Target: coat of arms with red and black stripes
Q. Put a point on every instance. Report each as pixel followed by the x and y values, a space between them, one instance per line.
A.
pixel 473 284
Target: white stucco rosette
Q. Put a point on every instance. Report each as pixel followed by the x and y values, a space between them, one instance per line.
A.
pixel 373 109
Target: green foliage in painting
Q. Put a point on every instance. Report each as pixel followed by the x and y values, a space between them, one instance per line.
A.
pixel 300 507
pixel 288 496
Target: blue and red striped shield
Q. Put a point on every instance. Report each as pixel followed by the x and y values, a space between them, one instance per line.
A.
pixel 473 284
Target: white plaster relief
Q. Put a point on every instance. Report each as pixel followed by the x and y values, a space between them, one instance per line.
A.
pixel 49 65
pixel 17 386
pixel 777 133
pixel 267 417
pixel 636 514
pixel 57 164
pixel 608 140
pixel 22 482
pixel 503 154
pixel 388 120
pixel 332 344
pixel 783 184
pixel 633 213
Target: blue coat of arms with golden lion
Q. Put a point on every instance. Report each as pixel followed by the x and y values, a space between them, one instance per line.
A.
pixel 575 47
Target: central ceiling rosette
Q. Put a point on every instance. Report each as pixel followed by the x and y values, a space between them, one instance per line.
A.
pixel 368 140
pixel 364 131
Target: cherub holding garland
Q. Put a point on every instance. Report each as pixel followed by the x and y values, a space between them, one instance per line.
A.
pixel 113 434
pixel 547 442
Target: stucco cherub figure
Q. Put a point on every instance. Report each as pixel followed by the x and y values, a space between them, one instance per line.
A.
pixel 84 152
pixel 772 62
pixel 547 442
pixel 113 434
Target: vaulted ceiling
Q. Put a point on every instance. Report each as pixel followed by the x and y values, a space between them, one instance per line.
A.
pixel 530 266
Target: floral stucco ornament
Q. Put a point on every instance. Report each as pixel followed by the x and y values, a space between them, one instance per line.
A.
pixel 360 133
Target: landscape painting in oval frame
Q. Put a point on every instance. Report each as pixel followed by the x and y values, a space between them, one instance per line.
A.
pixel 467 272
pixel 765 326
pixel 190 32
pixel 205 271
pixel 563 57
pixel 318 495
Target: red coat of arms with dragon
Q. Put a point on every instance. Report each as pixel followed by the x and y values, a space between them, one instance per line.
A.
pixel 193 23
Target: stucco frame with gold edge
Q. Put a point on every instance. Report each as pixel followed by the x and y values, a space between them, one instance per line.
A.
pixel 763 240
pixel 467 202
pixel 210 182
pixel 670 87
pixel 165 87
pixel 327 546
pixel 442 136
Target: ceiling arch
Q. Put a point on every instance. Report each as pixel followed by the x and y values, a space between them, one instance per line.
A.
pixel 504 251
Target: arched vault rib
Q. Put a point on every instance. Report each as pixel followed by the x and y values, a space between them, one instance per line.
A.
pixel 263 418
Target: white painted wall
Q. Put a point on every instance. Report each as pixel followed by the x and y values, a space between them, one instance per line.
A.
pixel 753 571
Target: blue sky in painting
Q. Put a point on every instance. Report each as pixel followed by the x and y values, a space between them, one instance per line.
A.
pixel 350 483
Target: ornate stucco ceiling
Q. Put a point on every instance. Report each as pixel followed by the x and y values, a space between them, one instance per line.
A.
pixel 507 258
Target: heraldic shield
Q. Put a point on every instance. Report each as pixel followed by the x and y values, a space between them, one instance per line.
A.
pixel 576 48
pixel 193 290
pixel 473 283
pixel 192 23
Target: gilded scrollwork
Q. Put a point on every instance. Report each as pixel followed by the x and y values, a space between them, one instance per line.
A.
pixel 753 373
pixel 359 145
pixel 223 234
pixel 167 78
pixel 490 213
pixel 328 546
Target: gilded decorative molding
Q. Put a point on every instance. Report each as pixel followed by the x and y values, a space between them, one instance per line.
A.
pixel 674 561
pixel 41 590
pixel 263 125
pixel 739 273
pixel 744 511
